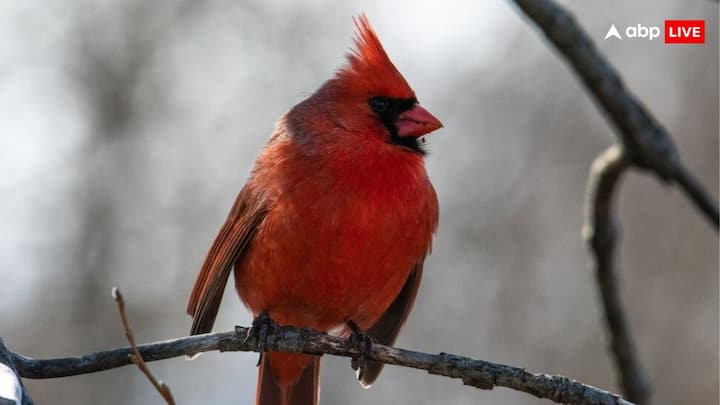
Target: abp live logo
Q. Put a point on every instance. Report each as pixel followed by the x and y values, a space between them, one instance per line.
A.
pixel 676 32
pixel 684 31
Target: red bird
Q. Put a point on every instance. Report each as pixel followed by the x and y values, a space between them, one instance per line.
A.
pixel 332 228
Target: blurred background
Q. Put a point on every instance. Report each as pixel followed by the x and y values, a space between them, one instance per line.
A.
pixel 129 127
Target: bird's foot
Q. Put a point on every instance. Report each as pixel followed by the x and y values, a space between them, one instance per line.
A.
pixel 261 325
pixel 363 342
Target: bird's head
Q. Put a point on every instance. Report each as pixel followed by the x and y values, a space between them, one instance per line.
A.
pixel 369 95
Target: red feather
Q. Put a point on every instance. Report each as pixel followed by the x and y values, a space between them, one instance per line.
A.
pixel 369 67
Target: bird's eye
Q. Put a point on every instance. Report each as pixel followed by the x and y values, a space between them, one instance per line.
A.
pixel 379 104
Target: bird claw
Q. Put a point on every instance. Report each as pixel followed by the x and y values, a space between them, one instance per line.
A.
pixel 261 325
pixel 363 342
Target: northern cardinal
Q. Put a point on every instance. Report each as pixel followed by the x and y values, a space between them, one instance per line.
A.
pixel 331 229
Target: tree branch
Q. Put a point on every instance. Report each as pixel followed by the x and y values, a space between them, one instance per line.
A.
pixel 476 373
pixel 600 232
pixel 646 143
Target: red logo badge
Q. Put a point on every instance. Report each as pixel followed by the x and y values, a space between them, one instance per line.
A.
pixel 684 31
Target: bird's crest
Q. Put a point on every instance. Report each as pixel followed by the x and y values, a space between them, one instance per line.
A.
pixel 370 68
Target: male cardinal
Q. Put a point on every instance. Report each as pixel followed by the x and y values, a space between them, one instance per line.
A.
pixel 332 228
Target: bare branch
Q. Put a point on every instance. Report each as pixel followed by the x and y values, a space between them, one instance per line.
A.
pixel 135 357
pixel 476 373
pixel 694 189
pixel 646 143
pixel 601 232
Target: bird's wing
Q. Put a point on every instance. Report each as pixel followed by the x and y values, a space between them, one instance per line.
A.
pixel 386 329
pixel 234 237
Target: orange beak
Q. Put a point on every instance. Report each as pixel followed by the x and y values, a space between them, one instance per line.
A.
pixel 417 122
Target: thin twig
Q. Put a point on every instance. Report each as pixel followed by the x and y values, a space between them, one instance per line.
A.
pixel 135 356
pixel 601 233
pixel 693 188
pixel 646 143
pixel 477 373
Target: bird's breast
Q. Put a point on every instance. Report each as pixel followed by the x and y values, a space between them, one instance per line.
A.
pixel 334 249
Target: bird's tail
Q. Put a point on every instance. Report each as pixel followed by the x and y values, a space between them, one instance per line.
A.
pixel 306 391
